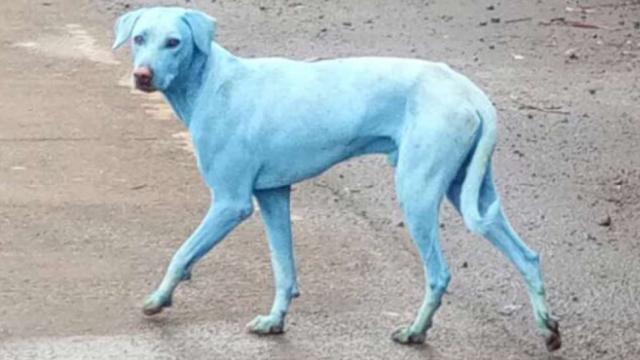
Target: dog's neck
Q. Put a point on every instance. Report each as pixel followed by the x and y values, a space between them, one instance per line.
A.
pixel 186 88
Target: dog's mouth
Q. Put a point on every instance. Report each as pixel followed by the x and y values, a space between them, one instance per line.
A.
pixel 146 87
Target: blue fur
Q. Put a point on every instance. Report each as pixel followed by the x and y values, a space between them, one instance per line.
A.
pixel 260 125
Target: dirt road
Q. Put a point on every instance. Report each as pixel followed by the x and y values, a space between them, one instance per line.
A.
pixel 98 187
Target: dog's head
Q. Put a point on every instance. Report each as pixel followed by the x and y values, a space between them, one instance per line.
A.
pixel 164 42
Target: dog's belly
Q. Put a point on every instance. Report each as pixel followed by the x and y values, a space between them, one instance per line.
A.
pixel 297 164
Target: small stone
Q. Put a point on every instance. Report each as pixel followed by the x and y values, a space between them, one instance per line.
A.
pixel 509 310
pixel 606 222
pixel 400 224
pixel 495 20
pixel 465 265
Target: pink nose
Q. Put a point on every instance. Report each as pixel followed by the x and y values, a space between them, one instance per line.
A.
pixel 143 76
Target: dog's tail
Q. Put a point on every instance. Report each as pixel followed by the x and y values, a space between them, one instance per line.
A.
pixel 476 171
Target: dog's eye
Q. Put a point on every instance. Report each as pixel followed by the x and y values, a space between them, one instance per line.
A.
pixel 138 39
pixel 173 43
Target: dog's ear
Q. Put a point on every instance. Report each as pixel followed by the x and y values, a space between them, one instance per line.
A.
pixel 202 28
pixel 124 27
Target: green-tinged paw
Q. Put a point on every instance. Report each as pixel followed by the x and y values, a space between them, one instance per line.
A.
pixel 266 325
pixel 408 337
pixel 154 304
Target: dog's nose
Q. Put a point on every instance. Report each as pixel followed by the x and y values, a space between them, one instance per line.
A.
pixel 143 76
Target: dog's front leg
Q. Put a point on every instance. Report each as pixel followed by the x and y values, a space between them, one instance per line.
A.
pixel 222 217
pixel 274 208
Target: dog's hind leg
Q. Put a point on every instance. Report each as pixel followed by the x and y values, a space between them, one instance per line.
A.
pixel 274 208
pixel 499 232
pixel 223 215
pixel 426 166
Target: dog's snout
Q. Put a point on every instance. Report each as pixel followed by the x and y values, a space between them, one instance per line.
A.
pixel 143 77
pixel 143 73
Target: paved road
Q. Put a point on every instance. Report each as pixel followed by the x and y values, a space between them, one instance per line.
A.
pixel 98 187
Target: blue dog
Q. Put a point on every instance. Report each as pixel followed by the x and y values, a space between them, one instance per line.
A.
pixel 260 125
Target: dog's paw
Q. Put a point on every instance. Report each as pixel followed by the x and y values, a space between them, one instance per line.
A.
pixel 154 304
pixel 552 338
pixel 266 325
pixel 408 336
